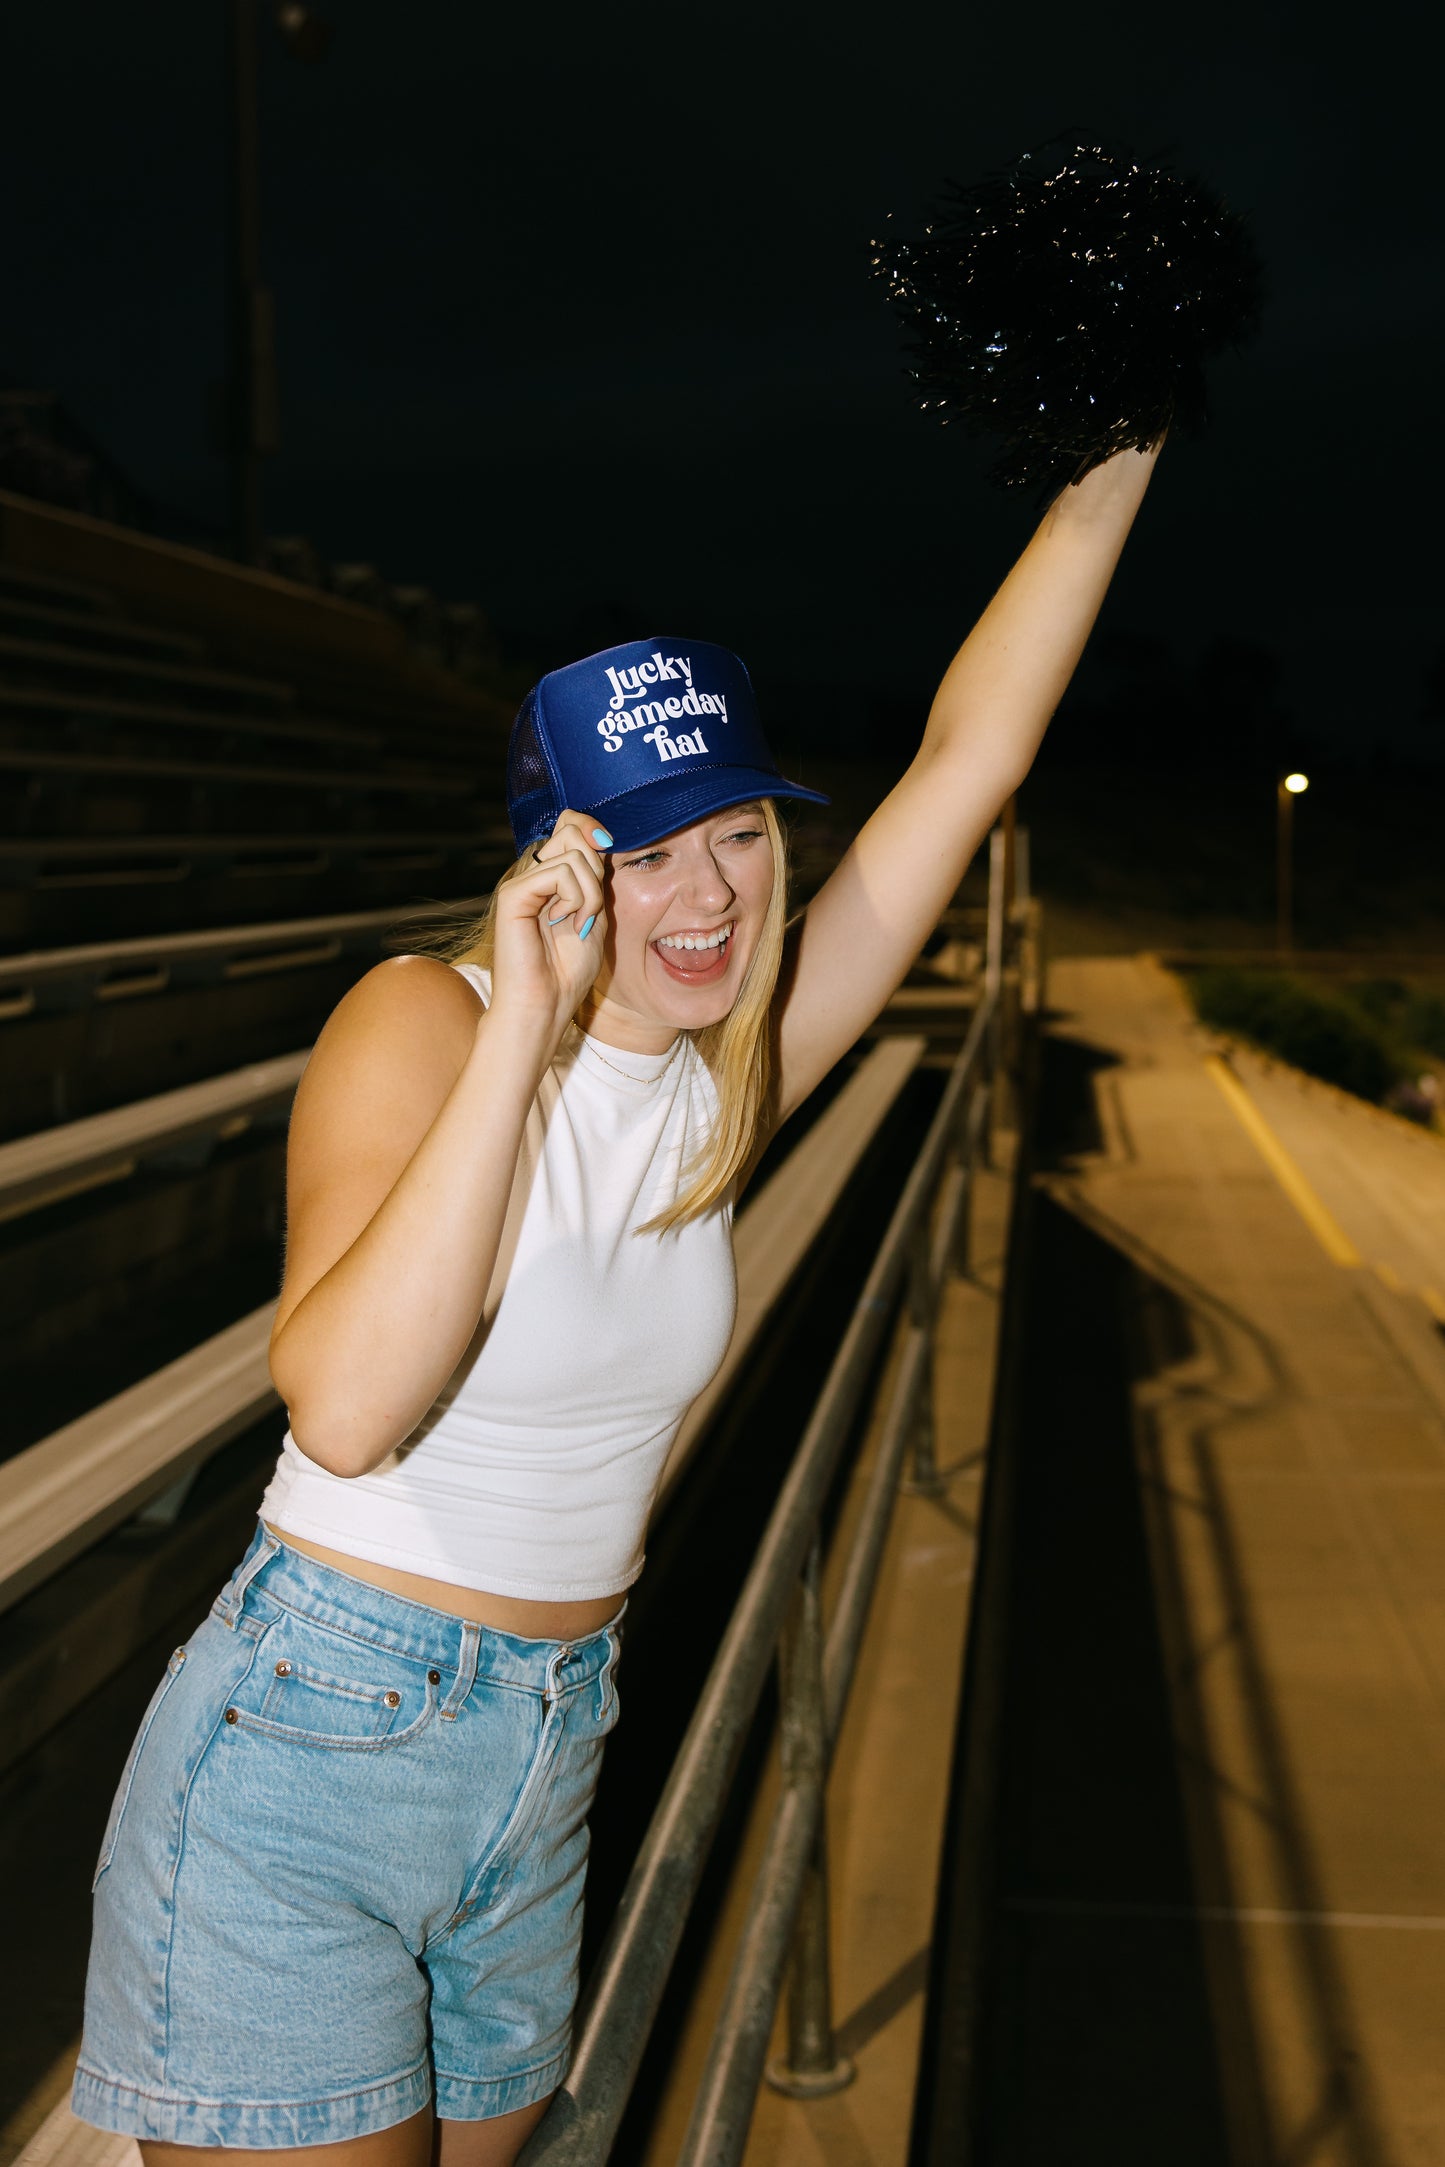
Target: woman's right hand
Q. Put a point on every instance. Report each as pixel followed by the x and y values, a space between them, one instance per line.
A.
pixel 549 928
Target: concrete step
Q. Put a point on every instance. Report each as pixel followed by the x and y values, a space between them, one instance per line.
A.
pixel 91 629
pixel 50 660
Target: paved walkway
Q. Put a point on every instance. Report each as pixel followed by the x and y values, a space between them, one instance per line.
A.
pixel 1291 1450
pixel 1382 1177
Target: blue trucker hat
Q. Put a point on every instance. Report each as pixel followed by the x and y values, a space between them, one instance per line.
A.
pixel 648 736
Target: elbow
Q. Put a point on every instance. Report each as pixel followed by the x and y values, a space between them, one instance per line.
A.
pixel 335 1454
pixel 341 1429
pixel 335 1439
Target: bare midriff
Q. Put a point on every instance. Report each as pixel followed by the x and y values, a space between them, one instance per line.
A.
pixel 505 1613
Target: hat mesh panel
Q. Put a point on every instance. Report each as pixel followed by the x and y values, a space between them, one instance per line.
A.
pixel 532 799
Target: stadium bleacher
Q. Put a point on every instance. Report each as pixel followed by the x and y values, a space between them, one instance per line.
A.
pixel 219 791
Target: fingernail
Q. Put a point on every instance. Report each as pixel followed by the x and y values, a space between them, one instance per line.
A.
pixel 565 914
pixel 600 835
pixel 588 927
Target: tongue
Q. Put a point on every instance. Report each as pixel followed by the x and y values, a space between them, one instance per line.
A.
pixel 694 959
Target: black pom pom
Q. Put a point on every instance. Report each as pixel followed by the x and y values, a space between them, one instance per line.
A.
pixel 1068 303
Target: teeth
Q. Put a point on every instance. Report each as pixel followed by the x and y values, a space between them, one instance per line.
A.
pixel 692 940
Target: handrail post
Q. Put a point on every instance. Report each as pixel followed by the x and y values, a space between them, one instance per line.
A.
pixel 812 2066
pixel 925 1480
pixel 961 1255
pixel 1000 1103
pixel 969 1142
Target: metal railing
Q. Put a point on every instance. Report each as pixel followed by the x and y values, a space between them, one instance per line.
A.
pixel 779 1614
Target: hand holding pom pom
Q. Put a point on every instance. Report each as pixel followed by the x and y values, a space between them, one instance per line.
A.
pixel 1068 303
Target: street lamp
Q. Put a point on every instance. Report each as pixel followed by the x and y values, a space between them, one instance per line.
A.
pixel 1286 791
pixel 252 421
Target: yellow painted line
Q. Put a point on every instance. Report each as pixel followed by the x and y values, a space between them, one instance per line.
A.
pixel 1434 1301
pixel 1321 1222
pixel 1388 1276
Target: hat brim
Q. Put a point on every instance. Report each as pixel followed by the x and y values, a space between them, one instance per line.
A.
pixel 645 814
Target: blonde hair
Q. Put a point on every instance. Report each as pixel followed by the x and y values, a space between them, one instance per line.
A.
pixel 737 1052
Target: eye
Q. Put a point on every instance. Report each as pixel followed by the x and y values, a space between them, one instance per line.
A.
pixel 647 863
pixel 742 835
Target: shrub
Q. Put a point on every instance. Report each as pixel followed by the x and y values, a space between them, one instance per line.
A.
pixel 1408 1018
pixel 1424 1023
pixel 1380 998
pixel 1319 1031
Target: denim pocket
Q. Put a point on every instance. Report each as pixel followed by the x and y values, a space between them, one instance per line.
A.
pixel 320 1688
pixel 127 1775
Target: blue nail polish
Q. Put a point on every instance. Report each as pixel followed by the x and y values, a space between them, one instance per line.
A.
pixel 588 927
pixel 565 914
pixel 600 835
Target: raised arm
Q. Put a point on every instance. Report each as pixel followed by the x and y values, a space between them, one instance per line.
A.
pixel 868 921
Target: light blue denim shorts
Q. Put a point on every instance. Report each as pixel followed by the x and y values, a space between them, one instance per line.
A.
pixel 343 1871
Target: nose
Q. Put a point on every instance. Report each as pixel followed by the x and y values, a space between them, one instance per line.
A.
pixel 708 890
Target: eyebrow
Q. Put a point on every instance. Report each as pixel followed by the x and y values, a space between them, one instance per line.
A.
pixel 753 807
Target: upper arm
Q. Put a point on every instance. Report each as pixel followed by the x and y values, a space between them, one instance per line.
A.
pixel 866 925
pixel 379 1075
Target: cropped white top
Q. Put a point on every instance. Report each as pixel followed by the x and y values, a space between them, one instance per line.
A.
pixel 534 1471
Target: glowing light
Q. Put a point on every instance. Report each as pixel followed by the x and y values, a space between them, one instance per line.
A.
pixel 1295 783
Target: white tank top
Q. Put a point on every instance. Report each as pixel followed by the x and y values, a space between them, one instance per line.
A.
pixel 534 1471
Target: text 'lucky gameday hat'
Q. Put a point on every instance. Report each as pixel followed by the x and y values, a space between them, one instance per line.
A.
pixel 648 736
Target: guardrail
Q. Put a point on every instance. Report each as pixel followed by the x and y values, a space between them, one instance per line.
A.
pixel 944 2128
pixel 779 1616
pixel 67 978
pixel 98 1149
pixel 83 860
pixel 64 1493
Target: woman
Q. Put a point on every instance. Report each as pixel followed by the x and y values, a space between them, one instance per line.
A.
pixel 339 1898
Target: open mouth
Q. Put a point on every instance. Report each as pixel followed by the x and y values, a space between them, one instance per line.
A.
pixel 695 959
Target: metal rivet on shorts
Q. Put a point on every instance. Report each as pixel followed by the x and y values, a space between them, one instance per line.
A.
pixel 433 1677
pixel 283 1668
pixel 393 1699
pixel 179 1656
pixel 230 1715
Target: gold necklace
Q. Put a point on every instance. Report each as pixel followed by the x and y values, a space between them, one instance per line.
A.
pixel 592 1047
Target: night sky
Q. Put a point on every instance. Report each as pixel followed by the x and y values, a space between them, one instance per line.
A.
pixel 574 316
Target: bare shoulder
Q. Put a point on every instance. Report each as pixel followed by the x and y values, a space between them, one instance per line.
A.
pixel 380 1073
pixel 414 984
pixel 411 1019
pixel 403 1032
pixel 402 995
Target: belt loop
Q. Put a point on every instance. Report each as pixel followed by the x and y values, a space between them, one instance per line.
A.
pixel 466 1676
pixel 233 1601
pixel 604 1676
